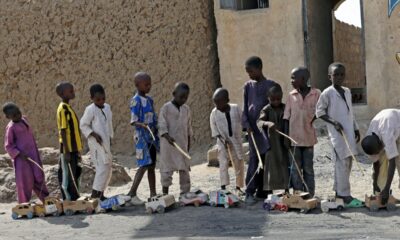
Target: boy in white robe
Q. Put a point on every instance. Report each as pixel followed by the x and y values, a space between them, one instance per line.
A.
pixel 226 127
pixel 335 107
pixel 382 145
pixel 96 126
pixel 175 127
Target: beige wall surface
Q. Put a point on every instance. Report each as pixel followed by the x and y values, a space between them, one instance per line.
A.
pixel 45 41
pixel 382 41
pixel 274 34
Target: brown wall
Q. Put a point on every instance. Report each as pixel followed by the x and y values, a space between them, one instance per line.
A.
pixel 382 41
pixel 348 49
pixel 44 41
pixel 274 34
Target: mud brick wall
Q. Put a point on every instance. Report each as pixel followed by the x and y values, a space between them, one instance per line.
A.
pixel 347 43
pixel 45 41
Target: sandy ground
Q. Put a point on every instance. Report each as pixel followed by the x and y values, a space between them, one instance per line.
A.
pixel 219 223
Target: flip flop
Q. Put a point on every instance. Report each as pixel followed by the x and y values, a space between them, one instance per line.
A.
pixel 355 203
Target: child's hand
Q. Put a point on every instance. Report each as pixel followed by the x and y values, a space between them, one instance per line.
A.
pixel 97 137
pixel 67 157
pixel 338 126
pixel 142 125
pixel 169 138
pixel 270 125
pixel 23 156
pixel 358 136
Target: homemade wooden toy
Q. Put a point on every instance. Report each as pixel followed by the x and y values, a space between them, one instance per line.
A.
pixel 195 198
pixel 83 204
pixel 374 203
pixel 223 198
pixel 331 204
pixel 300 200
pixel 160 203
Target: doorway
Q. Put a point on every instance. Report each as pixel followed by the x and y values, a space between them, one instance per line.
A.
pixel 333 32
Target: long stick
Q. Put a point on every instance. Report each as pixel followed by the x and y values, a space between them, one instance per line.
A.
pixel 299 171
pixel 230 156
pixel 258 152
pixel 151 133
pixel 37 164
pixel 181 150
pixel 351 152
pixel 73 177
pixel 286 136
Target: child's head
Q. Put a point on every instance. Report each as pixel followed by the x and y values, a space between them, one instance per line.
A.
pixel 181 93
pixel 12 112
pixel 299 77
pixel 221 99
pixel 254 68
pixel 337 73
pixel 143 82
pixel 98 95
pixel 275 95
pixel 372 145
pixel 65 90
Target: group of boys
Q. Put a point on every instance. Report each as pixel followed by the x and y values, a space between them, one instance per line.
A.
pixel 265 118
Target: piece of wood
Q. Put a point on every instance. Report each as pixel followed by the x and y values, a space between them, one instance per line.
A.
pixel 351 152
pixel 182 151
pixel 37 164
pixel 151 133
pixel 260 164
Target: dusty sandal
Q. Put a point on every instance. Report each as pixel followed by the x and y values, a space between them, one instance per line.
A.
pixel 355 203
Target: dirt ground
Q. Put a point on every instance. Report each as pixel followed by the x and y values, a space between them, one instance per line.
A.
pixel 219 223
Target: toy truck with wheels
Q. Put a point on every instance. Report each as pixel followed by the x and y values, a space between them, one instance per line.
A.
pixel 83 204
pixel 374 203
pixel 160 203
pixel 196 198
pixel 113 203
pixel 22 210
pixel 332 203
pixel 52 206
pixel 223 198
pixel 272 201
pixel 300 200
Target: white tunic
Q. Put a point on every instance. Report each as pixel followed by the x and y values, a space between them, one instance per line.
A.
pixel 98 120
pixel 386 125
pixel 332 104
pixel 219 126
pixel 177 123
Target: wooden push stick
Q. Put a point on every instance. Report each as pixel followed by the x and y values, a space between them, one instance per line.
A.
pixel 230 156
pixel 37 164
pixel 73 177
pixel 286 136
pixel 151 133
pixel 181 150
pixel 258 152
pixel 351 152
pixel 298 170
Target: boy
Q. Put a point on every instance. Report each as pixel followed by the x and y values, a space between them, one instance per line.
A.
pixel 144 119
pixel 381 144
pixel 299 116
pixel 70 143
pixel 335 107
pixel 96 126
pixel 175 127
pixel 255 99
pixel 276 170
pixel 20 144
pixel 225 122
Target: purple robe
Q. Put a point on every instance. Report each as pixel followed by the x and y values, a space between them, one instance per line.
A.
pixel 19 139
pixel 255 99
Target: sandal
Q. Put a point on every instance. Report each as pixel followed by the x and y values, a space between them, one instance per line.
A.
pixel 355 203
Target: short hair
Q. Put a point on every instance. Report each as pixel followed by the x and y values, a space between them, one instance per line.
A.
pixel 335 65
pixel 61 87
pixel 96 88
pixel 140 76
pixel 255 62
pixel 221 93
pixel 303 71
pixel 370 144
pixel 275 89
pixel 181 86
pixel 8 107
